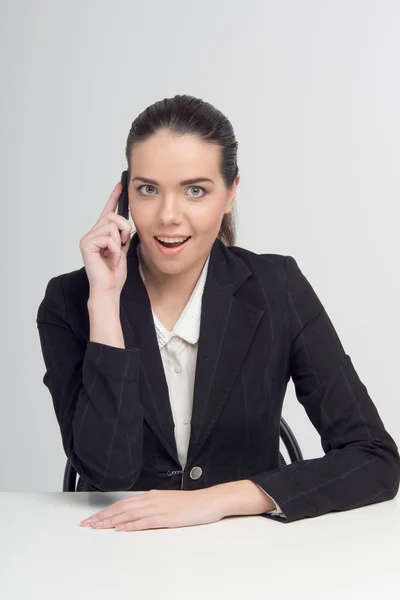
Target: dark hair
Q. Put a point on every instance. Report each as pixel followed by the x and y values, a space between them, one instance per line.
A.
pixel 185 114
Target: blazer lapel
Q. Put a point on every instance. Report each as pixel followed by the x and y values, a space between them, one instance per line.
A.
pixel 139 332
pixel 227 327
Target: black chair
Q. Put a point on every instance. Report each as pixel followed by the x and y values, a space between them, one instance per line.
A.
pixel 286 435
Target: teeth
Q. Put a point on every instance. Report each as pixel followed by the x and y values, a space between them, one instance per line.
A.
pixel 171 240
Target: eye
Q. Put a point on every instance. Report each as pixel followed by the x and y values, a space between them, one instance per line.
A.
pixel 144 186
pixel 195 187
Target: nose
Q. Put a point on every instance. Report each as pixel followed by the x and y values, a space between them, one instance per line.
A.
pixel 170 210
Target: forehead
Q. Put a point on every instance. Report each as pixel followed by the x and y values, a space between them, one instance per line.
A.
pixel 165 152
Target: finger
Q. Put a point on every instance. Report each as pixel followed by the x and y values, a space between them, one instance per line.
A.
pixel 112 202
pixel 122 226
pixel 106 229
pixel 116 252
pixel 154 522
pixel 125 244
pixel 112 217
pixel 117 507
pixel 139 512
pixel 102 516
pixel 107 242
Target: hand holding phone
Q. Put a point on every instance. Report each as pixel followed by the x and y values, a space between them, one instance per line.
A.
pixel 105 246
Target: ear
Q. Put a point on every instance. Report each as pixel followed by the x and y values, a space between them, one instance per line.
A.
pixel 232 195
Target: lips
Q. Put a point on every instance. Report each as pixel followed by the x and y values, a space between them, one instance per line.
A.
pixel 172 244
pixel 171 249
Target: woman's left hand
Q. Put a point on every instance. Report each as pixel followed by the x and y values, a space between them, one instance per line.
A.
pixel 158 509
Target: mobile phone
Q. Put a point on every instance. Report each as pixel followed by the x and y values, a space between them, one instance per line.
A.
pixel 123 203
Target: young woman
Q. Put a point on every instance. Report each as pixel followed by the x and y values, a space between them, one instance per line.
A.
pixel 168 354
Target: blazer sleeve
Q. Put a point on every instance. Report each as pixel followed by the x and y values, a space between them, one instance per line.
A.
pixel 361 464
pixel 277 510
pixel 94 388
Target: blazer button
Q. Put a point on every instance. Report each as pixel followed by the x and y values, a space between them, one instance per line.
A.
pixel 196 472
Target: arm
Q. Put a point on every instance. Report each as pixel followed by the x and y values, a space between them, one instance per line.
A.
pixel 361 465
pixel 105 324
pixel 94 387
pixel 242 498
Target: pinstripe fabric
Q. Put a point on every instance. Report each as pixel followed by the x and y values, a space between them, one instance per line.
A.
pixel 179 349
pixel 261 323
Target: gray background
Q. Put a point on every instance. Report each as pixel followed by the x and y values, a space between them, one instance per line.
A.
pixel 312 90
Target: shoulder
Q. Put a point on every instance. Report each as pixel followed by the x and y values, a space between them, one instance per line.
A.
pixel 280 275
pixel 282 265
pixel 266 264
pixel 66 293
pixel 73 283
pixel 66 297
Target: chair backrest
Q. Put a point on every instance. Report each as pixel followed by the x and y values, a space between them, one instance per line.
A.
pixel 288 438
pixel 286 434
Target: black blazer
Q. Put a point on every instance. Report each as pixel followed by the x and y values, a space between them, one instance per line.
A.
pixel 261 323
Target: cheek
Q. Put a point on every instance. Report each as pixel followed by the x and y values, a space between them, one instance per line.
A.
pixel 140 216
pixel 207 216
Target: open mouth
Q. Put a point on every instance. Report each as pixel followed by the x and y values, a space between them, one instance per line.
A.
pixel 172 244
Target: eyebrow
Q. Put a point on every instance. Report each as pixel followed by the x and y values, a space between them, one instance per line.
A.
pixel 184 182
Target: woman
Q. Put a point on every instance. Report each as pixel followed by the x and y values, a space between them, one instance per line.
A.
pixel 168 354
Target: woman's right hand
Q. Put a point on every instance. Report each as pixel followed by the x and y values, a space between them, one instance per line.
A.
pixel 102 253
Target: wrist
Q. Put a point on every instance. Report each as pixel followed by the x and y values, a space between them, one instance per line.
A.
pixel 104 321
pixel 241 498
pixel 109 301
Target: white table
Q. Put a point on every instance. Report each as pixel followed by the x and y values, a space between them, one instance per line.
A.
pixel 45 553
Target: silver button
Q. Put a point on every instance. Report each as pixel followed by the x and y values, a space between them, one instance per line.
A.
pixel 196 472
pixel 177 369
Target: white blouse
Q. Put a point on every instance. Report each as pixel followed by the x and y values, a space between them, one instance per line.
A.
pixel 178 350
